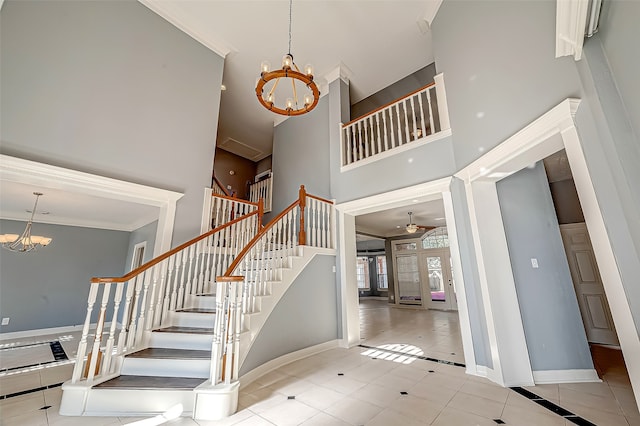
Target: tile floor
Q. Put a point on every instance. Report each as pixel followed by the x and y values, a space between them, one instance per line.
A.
pixel 350 387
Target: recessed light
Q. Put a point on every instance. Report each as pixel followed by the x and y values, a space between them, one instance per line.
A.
pixel 415 201
pixel 223 87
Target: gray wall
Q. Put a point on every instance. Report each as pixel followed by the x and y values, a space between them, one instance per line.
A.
pixel 145 233
pixel 499 68
pixel 397 90
pixel 111 88
pixel 49 287
pixel 306 315
pixel 301 157
pixel 553 327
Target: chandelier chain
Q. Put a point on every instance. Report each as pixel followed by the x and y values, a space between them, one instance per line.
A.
pixel 290 14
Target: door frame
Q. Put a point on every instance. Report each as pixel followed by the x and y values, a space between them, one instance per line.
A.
pixel 346 213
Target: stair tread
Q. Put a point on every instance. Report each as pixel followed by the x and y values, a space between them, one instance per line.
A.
pixel 151 382
pixel 198 310
pixel 186 330
pixel 169 353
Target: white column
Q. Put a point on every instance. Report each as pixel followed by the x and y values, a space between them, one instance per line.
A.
pixel 348 282
pixel 458 280
pixel 511 365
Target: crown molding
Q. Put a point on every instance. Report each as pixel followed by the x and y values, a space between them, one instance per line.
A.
pixel 172 14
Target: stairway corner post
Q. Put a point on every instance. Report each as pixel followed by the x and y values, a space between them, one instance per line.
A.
pixel 260 212
pixel 302 199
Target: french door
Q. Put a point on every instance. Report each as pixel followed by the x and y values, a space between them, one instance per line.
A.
pixel 438 285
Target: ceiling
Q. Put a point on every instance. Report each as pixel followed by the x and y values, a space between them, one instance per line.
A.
pixel 356 35
pixel 389 223
pixel 64 207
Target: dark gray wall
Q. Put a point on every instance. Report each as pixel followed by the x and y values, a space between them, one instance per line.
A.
pixel 499 68
pixel 566 201
pixel 301 157
pixel 553 327
pixel 146 233
pixel 306 315
pixel 49 287
pixel 397 90
pixel 111 88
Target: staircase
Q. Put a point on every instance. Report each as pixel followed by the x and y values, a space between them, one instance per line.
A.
pixel 182 324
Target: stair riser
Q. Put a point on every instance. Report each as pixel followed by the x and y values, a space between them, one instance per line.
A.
pixel 200 342
pixel 206 302
pixel 166 367
pixel 190 319
pixel 115 402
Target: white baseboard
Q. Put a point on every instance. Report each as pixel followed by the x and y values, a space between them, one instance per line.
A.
pixel 269 366
pixel 565 376
pixel 46 331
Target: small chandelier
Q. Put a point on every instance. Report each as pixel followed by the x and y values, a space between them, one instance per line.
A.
pixel 25 242
pixel 291 75
pixel 411 227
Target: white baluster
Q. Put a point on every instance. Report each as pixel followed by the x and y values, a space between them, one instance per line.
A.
pixel 112 328
pixel 378 132
pixel 422 125
pixel 134 311
pixel 82 346
pixel 413 118
pixel 406 121
pixel 398 127
pixel 348 142
pixel 95 363
pixel 126 315
pixel 166 304
pixel 433 129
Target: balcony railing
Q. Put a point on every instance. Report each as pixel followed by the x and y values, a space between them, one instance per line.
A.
pixel 401 124
pixel 262 189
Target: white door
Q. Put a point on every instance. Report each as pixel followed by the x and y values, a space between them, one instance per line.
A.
pixel 408 276
pixel 588 284
pixel 438 279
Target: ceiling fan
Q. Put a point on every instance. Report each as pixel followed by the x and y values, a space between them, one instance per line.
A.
pixel 412 228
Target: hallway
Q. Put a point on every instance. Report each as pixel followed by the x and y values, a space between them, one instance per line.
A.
pixel 386 381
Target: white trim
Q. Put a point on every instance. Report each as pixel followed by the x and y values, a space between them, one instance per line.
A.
pixel 393 151
pixel 549 133
pixel 29 172
pixel 143 246
pixel 565 376
pixel 341 71
pixel 285 359
pixel 437 189
pixel 459 288
pixel 533 141
pixel 397 198
pixel 205 224
pixel 571 21
pixel 46 331
pixel 171 13
pixel 441 97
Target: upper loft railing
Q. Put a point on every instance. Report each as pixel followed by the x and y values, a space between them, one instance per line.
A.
pixel 401 124
pixel 307 221
pixel 218 188
pixel 262 189
pixel 220 209
pixel 142 299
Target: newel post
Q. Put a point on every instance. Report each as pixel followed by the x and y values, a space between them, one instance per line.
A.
pixel 302 236
pixel 260 212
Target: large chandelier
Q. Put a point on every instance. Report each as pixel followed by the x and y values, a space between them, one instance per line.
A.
pixel 25 242
pixel 269 90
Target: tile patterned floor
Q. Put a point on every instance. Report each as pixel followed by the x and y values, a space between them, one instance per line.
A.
pixel 361 386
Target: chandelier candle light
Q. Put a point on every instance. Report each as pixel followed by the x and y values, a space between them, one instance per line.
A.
pixel 298 80
pixel 25 242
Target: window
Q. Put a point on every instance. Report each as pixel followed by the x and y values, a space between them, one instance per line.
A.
pixel 406 246
pixel 362 272
pixel 381 268
pixel 436 238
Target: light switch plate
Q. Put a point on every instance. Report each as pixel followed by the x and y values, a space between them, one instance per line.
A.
pixel 5 321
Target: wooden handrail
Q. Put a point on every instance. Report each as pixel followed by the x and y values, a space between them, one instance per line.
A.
pixel 389 104
pixel 221 186
pixel 232 198
pixel 259 235
pixel 166 255
pixel 319 198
